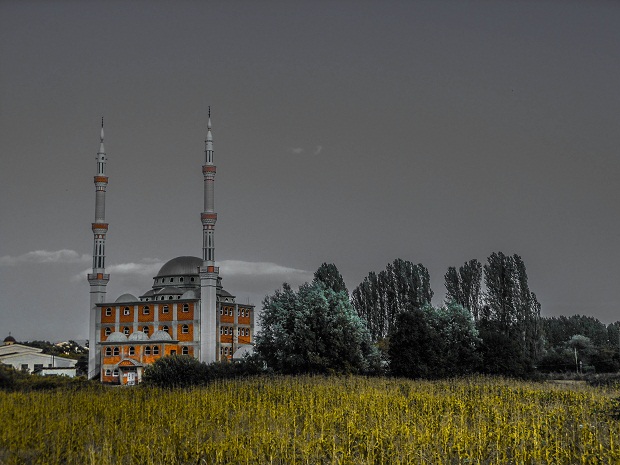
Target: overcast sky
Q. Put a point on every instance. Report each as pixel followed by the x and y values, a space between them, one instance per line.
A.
pixel 349 132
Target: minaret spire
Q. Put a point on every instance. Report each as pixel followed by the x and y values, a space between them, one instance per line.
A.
pixel 98 279
pixel 208 271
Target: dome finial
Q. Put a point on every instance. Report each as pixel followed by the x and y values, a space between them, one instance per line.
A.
pixel 101 129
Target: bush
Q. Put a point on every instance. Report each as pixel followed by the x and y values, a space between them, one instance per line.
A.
pixel 185 371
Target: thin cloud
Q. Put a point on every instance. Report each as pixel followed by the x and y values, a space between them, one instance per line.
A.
pixel 297 150
pixel 318 149
pixel 46 256
pixel 243 268
pixel 147 268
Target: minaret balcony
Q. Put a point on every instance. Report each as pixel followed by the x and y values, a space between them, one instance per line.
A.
pixel 208 169
pixel 101 179
pixel 100 228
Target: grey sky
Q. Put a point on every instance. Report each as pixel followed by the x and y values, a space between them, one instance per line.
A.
pixel 347 132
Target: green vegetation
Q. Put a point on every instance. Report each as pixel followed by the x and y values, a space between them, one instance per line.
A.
pixel 314 330
pixel 314 420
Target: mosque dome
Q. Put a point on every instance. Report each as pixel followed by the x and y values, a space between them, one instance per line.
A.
pixel 116 337
pixel 9 340
pixel 180 266
pixel 161 336
pixel 138 336
pixel 126 298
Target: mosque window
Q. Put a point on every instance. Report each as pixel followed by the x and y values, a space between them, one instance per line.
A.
pixel 108 351
pixel 185 308
pixel 184 329
pixel 171 280
pixel 146 310
pixel 191 279
pixel 147 350
pixel 108 331
pixel 165 309
pixel 155 350
pixel 132 350
pixel 145 330
pixel 108 372
pixel 117 351
pixel 170 297
pixel 126 311
pixel 115 373
pixel 221 310
pixel 185 351
pixel 165 328
pixel 108 311
pixel 126 331
pixel 181 279
pixel 221 350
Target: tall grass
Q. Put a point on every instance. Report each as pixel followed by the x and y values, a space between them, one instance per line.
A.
pixel 306 420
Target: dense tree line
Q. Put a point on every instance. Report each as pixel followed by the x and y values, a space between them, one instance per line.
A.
pixel 489 323
pixel 580 343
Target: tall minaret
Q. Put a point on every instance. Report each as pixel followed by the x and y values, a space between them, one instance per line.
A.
pixel 208 270
pixel 98 279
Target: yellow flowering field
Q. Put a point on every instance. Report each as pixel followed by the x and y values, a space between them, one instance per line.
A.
pixel 315 420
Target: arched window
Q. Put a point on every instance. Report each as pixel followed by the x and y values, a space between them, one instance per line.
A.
pixel 147 350
pixel 155 350
pixel 115 373
pixel 108 372
pixel 145 330
pixel 165 309
pixel 185 308
pixel 185 351
pixel 132 350
pixel 126 330
pixel 117 351
pixel 126 311
pixel 108 311
pixel 185 329
pixel 108 351
pixel 165 328
pixel 181 279
pixel 146 310
pixel 107 331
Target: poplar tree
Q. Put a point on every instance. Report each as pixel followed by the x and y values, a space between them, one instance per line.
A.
pixel 512 312
pixel 463 286
pixel 379 299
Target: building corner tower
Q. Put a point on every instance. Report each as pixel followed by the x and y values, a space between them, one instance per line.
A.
pixel 98 279
pixel 208 271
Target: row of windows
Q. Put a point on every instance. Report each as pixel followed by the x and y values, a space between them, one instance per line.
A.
pixel 145 330
pixel 229 330
pixel 229 311
pixel 111 373
pixel 171 280
pixel 148 350
pixel 146 310
pixel 226 351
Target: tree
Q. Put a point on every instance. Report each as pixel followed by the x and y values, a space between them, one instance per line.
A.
pixel 434 342
pixel 463 286
pixel 379 299
pixel 314 330
pixel 510 309
pixel 412 345
pixel 329 275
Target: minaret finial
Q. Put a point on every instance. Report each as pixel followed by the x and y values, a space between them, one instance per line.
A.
pixel 101 136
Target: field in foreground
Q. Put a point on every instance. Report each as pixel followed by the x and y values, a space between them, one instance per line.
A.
pixel 348 420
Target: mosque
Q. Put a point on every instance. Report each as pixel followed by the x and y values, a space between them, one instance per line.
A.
pixel 186 311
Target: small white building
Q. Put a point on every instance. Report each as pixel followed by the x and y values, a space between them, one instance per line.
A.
pixel 33 360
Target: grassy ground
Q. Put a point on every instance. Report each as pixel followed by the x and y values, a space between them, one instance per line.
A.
pixel 305 420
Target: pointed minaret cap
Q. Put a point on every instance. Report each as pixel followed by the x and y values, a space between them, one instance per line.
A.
pixel 101 148
pixel 209 136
